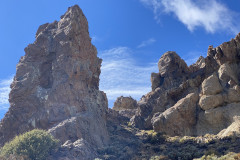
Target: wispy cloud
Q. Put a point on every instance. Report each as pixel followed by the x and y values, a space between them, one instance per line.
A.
pixel 212 15
pixel 146 43
pixel 121 74
pixel 4 92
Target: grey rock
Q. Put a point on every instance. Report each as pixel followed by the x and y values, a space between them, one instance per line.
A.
pixel 123 103
pixel 211 85
pixel 179 119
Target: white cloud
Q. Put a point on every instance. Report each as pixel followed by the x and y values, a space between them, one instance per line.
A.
pixel 146 43
pixel 212 15
pixel 4 92
pixel 121 74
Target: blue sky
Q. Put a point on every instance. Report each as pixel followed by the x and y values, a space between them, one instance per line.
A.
pixel 130 35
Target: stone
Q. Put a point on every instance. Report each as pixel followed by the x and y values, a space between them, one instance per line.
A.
pixel 211 101
pixel 179 119
pixel 56 86
pixel 138 122
pixel 155 80
pixel 129 113
pixel 233 96
pixel 79 149
pixel 232 130
pixel 226 74
pixel 123 103
pixel 211 85
pixel 171 64
pixel 214 120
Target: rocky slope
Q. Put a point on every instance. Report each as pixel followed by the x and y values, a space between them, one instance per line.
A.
pixel 56 86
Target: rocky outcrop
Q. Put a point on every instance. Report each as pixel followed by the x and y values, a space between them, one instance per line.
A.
pixel 214 81
pixel 56 86
pixel 126 106
pixel 179 119
pixel 123 103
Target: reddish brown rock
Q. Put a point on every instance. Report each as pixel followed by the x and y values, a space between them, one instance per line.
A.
pixel 56 85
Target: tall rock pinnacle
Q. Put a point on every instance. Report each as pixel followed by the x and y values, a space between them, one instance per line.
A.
pixel 56 85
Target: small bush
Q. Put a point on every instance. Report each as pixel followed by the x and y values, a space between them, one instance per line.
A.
pixel 36 145
pixel 155 139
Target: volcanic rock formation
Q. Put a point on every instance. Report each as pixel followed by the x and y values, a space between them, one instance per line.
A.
pixel 195 100
pixel 56 86
pixel 126 106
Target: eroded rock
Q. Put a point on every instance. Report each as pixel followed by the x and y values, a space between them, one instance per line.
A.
pixel 211 85
pixel 123 103
pixel 56 85
pixel 179 119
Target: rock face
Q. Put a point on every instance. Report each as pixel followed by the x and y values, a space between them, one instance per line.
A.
pixel 123 103
pixel 126 106
pixel 178 119
pixel 195 100
pixel 232 130
pixel 56 86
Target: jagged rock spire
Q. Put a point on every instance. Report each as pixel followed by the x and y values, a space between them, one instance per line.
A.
pixel 57 83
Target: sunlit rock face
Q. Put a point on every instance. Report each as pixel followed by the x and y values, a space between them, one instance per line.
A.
pixel 193 100
pixel 56 86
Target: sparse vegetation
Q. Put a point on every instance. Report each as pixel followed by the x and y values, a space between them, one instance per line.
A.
pixel 35 145
pixel 135 144
pixel 229 156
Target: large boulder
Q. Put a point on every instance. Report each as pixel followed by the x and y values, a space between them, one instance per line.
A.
pixel 179 119
pixel 123 103
pixel 171 64
pixel 126 106
pixel 211 85
pixel 56 85
pixel 211 101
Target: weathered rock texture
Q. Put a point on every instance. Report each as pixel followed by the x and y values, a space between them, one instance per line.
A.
pixel 127 106
pixel 56 86
pixel 232 130
pixel 195 100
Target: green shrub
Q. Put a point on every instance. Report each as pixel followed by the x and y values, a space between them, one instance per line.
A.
pixel 155 139
pixel 36 145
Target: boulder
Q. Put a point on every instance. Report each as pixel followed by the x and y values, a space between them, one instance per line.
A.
pixel 211 85
pixel 171 64
pixel 227 74
pixel 233 96
pixel 179 119
pixel 123 103
pixel 211 101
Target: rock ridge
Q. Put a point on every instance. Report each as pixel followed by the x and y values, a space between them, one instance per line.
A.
pixel 213 80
